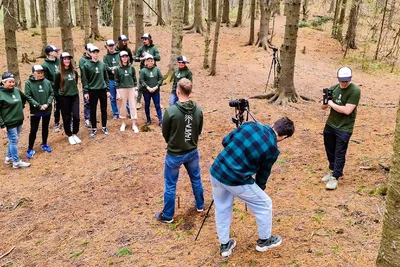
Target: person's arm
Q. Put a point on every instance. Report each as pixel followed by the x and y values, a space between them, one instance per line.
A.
pixel 190 76
pixel 131 58
pixel 227 139
pixel 138 55
pixel 84 79
pixel 51 96
pixel 76 77
pixel 156 55
pixel 346 109
pixel 134 76
pixel 166 126
pixel 29 97
pixel 57 81
pixel 116 77
pixel 263 172
pixel 2 123
pixel 106 80
pixel 160 78
pixel 201 123
pixel 142 77
pixel 23 98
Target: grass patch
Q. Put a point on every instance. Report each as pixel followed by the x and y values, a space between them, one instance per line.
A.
pixel 379 191
pixel 76 254
pixel 314 23
pixel 124 252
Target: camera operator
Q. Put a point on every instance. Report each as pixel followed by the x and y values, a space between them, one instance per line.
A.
pixel 249 149
pixel 343 99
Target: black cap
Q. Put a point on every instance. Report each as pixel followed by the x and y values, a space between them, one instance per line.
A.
pixel 7 75
pixel 50 48
pixel 123 37
pixel 37 68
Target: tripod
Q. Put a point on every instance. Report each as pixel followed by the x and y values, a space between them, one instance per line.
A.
pixel 238 120
pixel 276 66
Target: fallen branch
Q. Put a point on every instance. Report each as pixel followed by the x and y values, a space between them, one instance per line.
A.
pixel 8 252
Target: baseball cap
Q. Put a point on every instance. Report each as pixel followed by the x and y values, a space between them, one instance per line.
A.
pixel 182 59
pixel 147 56
pixel 123 37
pixel 88 45
pixel 50 48
pixel 344 74
pixel 37 68
pixel 65 54
pixel 93 48
pixel 7 76
pixel 110 43
pixel 123 53
pixel 146 35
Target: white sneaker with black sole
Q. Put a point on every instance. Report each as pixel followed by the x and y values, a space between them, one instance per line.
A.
pixel 226 249
pixel 272 242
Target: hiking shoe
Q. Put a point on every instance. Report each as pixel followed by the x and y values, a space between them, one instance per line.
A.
pixel 77 139
pixel 105 131
pixel 326 177
pixel 226 249
pixel 88 124
pixel 93 133
pixel 46 148
pixel 135 129
pixel 123 127
pixel 57 128
pixel 138 106
pixel 8 161
pixel 160 217
pixel 332 183
pixel 115 117
pixel 148 122
pixel 265 244
pixel 71 140
pixel 21 164
pixel 30 153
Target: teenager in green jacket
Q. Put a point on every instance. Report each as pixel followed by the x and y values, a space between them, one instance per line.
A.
pixel 12 102
pixel 182 72
pixel 50 66
pixel 111 59
pixel 125 77
pixel 39 93
pixel 86 108
pixel 150 82
pixel 66 86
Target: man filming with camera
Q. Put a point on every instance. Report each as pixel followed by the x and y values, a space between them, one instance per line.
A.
pixel 343 99
pixel 249 149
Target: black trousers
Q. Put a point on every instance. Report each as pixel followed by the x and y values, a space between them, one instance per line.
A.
pixel 94 97
pixel 69 106
pixel 336 143
pixel 35 120
pixel 56 110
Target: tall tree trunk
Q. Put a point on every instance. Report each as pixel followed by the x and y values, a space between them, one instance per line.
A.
pixel 56 13
pixel 305 10
pixel 66 27
pixel 239 15
pixel 186 13
pixel 22 14
pixel 83 14
pixel 10 27
pixel 94 21
pixel 43 24
pixel 252 19
pixel 214 10
pixel 352 26
pixel 389 254
pixel 265 9
pixel 391 14
pixel 139 28
pixel 206 62
pixel 78 21
pixel 125 18
pixel 332 6
pixel 86 20
pixel 106 11
pixel 339 30
pixel 116 19
pixel 378 45
pixel 32 10
pixel 197 25
pixel 286 90
pixel 160 22
pixel 336 18
pixel 225 13
pixel 213 69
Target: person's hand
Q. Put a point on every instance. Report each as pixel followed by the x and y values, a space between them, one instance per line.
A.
pixel 108 94
pixel 44 107
pixel 330 102
pixel 86 97
pixel 136 92
pixel 118 95
pixel 155 88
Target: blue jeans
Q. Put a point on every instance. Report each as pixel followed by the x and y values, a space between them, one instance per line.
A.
pixel 13 136
pixel 257 200
pixel 156 100
pixel 171 174
pixel 173 98
pixel 113 98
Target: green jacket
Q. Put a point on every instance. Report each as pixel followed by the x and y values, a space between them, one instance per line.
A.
pixel 70 84
pixel 150 78
pixel 38 93
pixel 125 77
pixel 111 60
pixel 85 58
pixel 94 76
pixel 50 67
pixel 179 74
pixel 12 103
pixel 182 125
pixel 151 49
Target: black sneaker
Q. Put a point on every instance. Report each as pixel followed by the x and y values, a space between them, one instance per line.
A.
pixel 148 122
pixel 160 217
pixel 265 244
pixel 226 249
pixel 93 133
pixel 105 131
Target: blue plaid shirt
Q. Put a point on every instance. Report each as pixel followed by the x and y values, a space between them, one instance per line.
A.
pixel 249 149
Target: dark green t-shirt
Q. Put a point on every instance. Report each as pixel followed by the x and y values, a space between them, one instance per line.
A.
pixel 341 97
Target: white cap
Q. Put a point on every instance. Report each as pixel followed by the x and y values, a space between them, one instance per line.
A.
pixel 344 74
pixel 65 54
pixel 147 56
pixel 93 48
pixel 110 42
pixel 123 53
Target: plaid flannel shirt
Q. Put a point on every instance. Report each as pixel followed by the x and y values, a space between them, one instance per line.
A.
pixel 249 149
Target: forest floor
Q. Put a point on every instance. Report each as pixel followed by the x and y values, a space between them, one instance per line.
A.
pixel 93 204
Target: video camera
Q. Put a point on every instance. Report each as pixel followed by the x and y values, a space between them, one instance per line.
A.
pixel 241 105
pixel 326 95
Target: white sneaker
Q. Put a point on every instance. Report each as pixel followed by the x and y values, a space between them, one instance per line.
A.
pixel 332 183
pixel 21 164
pixel 8 161
pixel 326 177
pixel 135 129
pixel 71 140
pixel 122 128
pixel 76 138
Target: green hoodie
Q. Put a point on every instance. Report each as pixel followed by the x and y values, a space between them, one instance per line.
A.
pixel 179 74
pixel 70 84
pixel 151 49
pixel 50 67
pixel 150 78
pixel 38 93
pixel 85 58
pixel 11 107
pixel 182 125
pixel 125 77
pixel 111 60
pixel 94 76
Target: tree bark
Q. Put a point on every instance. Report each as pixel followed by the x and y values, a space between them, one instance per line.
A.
pixel 381 31
pixel 160 22
pixel 265 9
pixel 213 10
pixel 94 21
pixel 56 16
pixel 213 69
pixel 389 254
pixel 22 14
pixel 331 6
pixel 78 21
pixel 305 10
pixel 10 27
pixel 32 10
pixel 239 15
pixel 285 78
pixel 225 13
pixel 186 13
pixel 197 25
pixel 139 28
pixel 116 19
pixel 43 24
pixel 66 27
pixel 86 21
pixel 391 14
pixel 339 27
pixel 252 20
pixel 352 26
pixel 125 19
pixel 106 11
pixel 207 41
pixel 336 18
